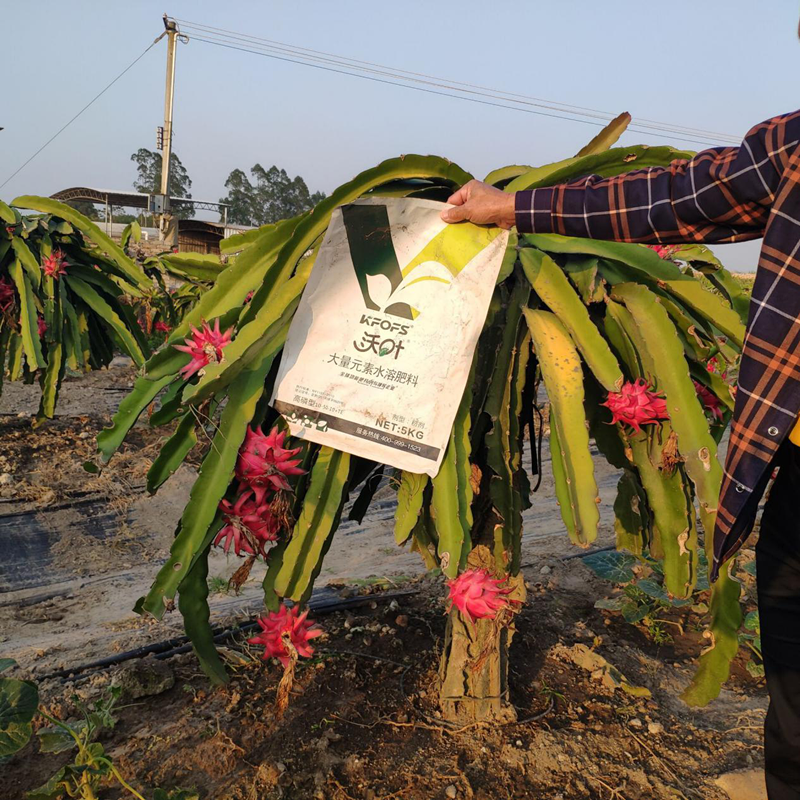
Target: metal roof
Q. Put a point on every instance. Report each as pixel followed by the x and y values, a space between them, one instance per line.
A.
pixel 126 199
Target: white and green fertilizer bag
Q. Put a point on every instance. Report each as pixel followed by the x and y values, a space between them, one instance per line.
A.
pixel 380 348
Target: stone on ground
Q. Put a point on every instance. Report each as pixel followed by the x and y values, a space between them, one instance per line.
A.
pixel 743 784
pixel 144 677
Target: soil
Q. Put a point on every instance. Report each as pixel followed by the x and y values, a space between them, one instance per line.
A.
pixel 362 720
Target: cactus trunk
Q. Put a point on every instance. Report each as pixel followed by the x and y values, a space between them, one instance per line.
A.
pixel 474 671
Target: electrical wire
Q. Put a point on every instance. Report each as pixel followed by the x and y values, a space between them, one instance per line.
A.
pixel 553 105
pixel 90 103
pixel 343 65
pixel 378 73
pixel 599 124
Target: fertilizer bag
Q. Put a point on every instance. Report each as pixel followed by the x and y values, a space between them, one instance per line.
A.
pixel 380 348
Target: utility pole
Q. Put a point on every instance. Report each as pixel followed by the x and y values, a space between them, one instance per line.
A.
pixel 166 150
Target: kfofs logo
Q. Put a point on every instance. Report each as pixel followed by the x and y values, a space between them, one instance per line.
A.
pixel 384 324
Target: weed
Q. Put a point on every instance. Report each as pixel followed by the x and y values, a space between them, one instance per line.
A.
pixel 552 694
pixel 218 585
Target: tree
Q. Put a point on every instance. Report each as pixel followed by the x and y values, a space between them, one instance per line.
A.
pixel 239 198
pixel 89 210
pixel 123 218
pixel 148 167
pixel 270 196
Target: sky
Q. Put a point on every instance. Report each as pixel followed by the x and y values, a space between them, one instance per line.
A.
pixel 682 62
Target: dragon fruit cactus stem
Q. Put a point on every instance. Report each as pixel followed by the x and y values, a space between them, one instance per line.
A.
pixel 481 622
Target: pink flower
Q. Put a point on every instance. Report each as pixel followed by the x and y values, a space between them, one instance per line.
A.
pixel 264 464
pixel 710 401
pixel 6 294
pixel 41 325
pixel 205 347
pixel 713 366
pixel 286 620
pixel 249 525
pixel 161 327
pixel 54 264
pixel 477 595
pixel 636 405
pixel 664 250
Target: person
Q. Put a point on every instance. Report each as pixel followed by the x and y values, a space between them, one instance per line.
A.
pixel 722 195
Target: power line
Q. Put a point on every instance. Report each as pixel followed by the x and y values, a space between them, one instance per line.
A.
pixel 282 51
pixel 390 83
pixel 667 134
pixel 91 102
pixel 342 60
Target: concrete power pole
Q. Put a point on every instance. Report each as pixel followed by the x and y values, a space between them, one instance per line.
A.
pixel 166 222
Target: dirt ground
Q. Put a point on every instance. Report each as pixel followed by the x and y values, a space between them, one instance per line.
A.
pixel 362 721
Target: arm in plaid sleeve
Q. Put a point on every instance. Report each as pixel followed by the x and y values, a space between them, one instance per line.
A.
pixel 721 195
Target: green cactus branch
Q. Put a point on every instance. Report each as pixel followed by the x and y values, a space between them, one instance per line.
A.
pixel 595 321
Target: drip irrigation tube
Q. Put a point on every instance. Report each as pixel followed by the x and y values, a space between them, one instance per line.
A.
pixel 180 644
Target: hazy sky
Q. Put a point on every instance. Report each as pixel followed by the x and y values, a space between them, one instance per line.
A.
pixel 687 62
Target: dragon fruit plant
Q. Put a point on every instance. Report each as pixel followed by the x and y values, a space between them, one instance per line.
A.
pixel 181 277
pixel 618 333
pixel 65 294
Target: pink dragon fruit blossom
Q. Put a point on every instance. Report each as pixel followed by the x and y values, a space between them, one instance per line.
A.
pixel 711 403
pixel 264 464
pixel 54 264
pixel 6 294
pixel 713 365
pixel 301 631
pixel 636 404
pixel 249 525
pixel 161 327
pixel 664 250
pixel 205 347
pixel 477 595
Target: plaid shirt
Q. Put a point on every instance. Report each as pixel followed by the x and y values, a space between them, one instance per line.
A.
pixel 722 195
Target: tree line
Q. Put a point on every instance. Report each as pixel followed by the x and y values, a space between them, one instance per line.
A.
pixel 263 196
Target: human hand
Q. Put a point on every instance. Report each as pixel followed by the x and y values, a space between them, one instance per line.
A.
pixel 482 204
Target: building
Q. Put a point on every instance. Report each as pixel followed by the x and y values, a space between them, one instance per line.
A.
pixel 194 235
